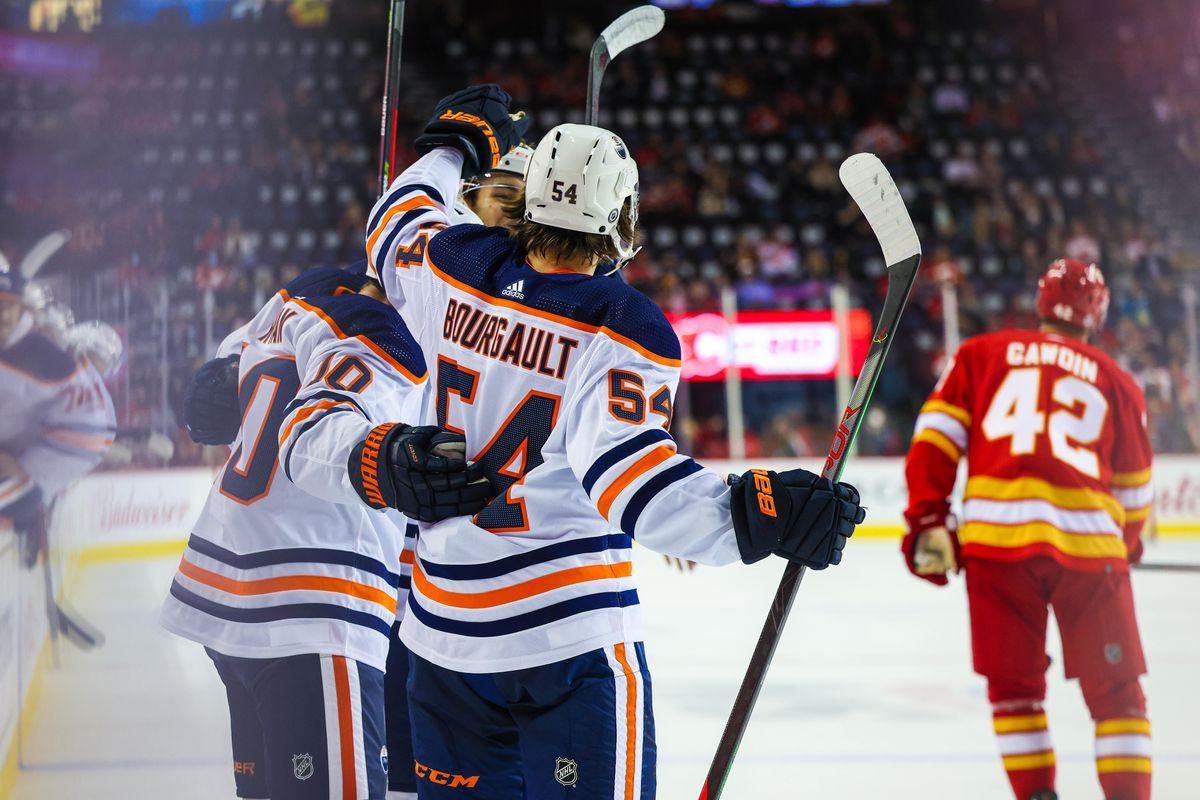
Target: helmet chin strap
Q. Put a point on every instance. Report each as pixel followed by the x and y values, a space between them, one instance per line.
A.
pixel 621 262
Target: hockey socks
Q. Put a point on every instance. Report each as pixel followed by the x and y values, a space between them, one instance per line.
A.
pixel 1122 738
pixel 1025 748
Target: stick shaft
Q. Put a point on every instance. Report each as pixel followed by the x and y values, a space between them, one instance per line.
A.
pixel 391 95
pixel 1166 567
pixel 899 285
pixel 597 63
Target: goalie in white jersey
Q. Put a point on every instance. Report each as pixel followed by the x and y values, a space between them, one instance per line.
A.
pixel 293 571
pixel 528 673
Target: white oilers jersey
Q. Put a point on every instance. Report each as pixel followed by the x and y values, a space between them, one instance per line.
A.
pixel 58 418
pixel 286 558
pixel 562 384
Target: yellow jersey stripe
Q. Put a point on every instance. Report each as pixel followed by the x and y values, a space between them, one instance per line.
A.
pixel 1139 478
pixel 960 414
pixel 1082 545
pixel 941 441
pixel 1110 727
pixel 1137 514
pixel 1021 724
pixel 1124 764
pixel 990 488
pixel 1030 761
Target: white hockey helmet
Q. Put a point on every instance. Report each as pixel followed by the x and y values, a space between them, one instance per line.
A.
pixel 579 179
pixel 515 161
pixel 98 343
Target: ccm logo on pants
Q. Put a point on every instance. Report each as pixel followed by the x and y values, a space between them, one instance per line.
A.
pixel 445 778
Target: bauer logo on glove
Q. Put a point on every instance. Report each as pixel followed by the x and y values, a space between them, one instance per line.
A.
pixel 795 515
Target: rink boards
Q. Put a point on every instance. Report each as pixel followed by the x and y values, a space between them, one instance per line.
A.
pixel 116 516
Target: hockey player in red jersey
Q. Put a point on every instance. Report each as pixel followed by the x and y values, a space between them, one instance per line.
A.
pixel 1058 490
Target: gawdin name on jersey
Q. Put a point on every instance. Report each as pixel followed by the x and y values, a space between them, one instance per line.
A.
pixel 517 343
pixel 1032 354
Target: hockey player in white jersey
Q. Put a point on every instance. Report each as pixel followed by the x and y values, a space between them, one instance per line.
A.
pixel 529 677
pixel 293 571
pixel 58 419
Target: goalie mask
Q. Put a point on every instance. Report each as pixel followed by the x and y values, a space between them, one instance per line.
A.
pixel 579 179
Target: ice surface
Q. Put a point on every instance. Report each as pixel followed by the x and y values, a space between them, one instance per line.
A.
pixel 870 695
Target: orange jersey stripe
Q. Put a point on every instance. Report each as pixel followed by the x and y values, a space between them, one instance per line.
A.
pixel 630 721
pixel 345 728
pixel 546 315
pixel 80 441
pixel 306 412
pixel 640 467
pixel 407 205
pixel 520 591
pixel 312 583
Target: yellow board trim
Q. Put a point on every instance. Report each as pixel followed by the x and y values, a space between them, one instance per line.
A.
pixel 939 440
pixel 960 414
pixel 29 706
pixel 1081 545
pixel 129 551
pixel 1110 727
pixel 1022 724
pixel 1124 764
pixel 1128 479
pixel 988 488
pixel 1030 761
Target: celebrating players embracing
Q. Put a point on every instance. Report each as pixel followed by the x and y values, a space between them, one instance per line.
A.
pixel 529 677
pixel 1057 493
pixel 291 581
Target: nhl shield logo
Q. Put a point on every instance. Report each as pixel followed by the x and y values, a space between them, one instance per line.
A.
pixel 302 766
pixel 566 771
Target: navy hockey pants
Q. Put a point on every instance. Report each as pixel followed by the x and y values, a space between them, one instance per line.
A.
pixel 579 729
pixel 306 727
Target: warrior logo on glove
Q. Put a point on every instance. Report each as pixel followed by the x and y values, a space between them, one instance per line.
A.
pixel 420 471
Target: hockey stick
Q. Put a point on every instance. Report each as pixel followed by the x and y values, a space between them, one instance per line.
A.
pixel 1166 567
pixel 633 27
pixel 391 96
pixel 868 182
pixel 63 620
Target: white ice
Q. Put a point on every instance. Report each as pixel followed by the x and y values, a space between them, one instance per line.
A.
pixel 870 696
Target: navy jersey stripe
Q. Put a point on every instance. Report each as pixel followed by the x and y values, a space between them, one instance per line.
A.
pixel 278 613
pixel 325 394
pixel 292 555
pixel 399 192
pixel 503 566
pixel 622 451
pixel 523 622
pixel 411 530
pixel 651 488
pixel 308 423
pixel 407 217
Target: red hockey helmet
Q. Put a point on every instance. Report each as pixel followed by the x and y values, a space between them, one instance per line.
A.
pixel 1073 293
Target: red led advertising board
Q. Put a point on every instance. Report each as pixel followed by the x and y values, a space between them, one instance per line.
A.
pixel 769 345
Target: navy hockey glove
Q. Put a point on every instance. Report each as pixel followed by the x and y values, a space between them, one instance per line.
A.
pixel 211 409
pixel 476 122
pixel 25 515
pixel 420 471
pixel 795 514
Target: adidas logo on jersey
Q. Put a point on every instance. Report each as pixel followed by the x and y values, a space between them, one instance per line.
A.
pixel 515 290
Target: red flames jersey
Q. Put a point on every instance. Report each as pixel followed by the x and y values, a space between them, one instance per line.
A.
pixel 1058 459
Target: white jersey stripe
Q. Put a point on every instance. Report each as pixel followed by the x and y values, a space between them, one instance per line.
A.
pixel 1017 512
pixel 360 752
pixel 945 424
pixel 1136 497
pixel 620 702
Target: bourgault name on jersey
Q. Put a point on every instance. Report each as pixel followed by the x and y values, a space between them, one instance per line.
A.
pixel 520 344
pixel 1034 354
